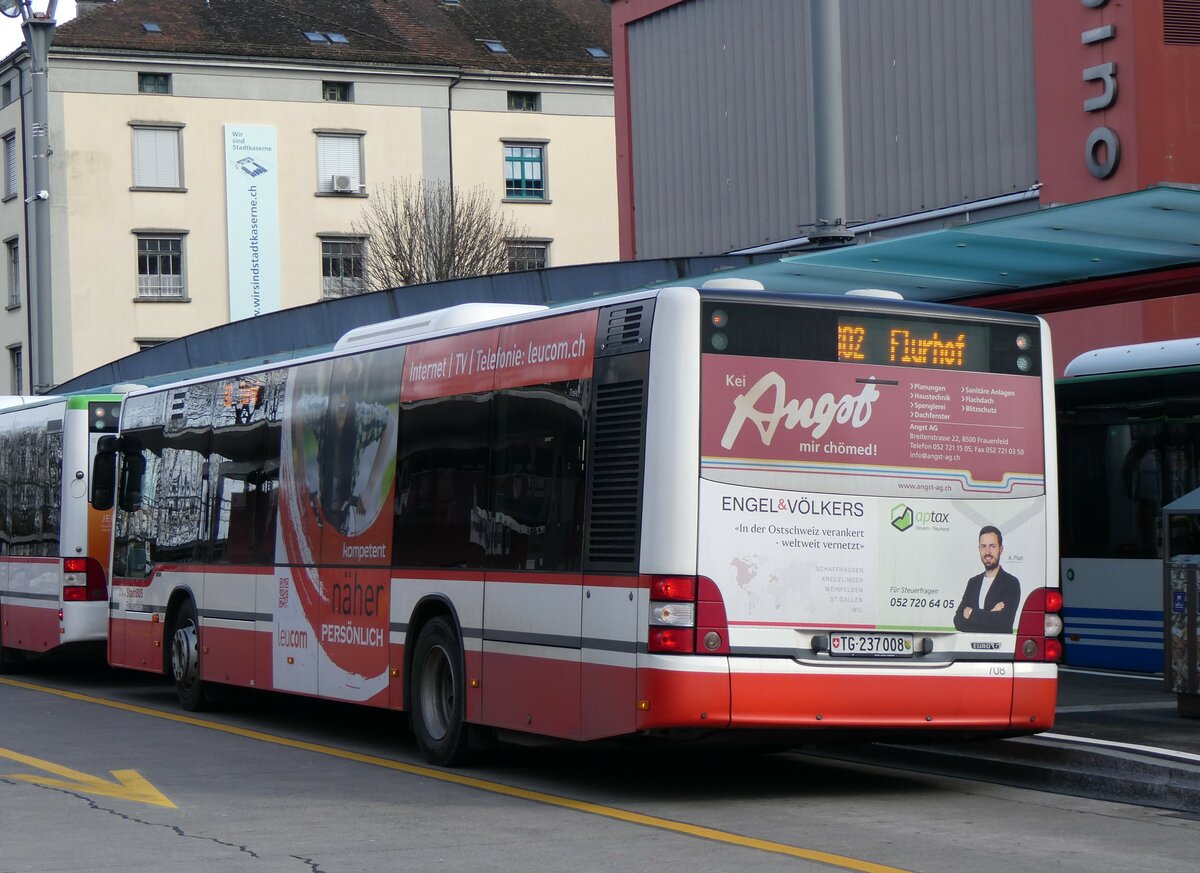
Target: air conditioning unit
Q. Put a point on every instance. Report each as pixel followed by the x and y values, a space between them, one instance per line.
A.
pixel 344 184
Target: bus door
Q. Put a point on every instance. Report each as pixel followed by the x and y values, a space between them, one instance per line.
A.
pixel 534 594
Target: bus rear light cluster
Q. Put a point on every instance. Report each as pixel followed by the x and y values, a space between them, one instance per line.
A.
pixel 1038 633
pixel 83 580
pixel 687 616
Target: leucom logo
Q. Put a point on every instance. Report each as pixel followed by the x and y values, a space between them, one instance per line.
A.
pixel 819 414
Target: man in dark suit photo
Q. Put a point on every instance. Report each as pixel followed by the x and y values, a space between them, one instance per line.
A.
pixel 989 604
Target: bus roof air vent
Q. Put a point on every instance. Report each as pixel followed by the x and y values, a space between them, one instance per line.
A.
pixel 881 293
pixel 427 322
pixel 1138 356
pixel 733 283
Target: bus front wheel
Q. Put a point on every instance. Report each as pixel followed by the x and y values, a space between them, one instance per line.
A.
pixel 438 715
pixel 185 659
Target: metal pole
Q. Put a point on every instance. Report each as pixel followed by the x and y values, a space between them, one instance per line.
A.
pixel 825 34
pixel 38 34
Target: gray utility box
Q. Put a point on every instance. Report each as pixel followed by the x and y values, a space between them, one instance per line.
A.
pixel 1181 601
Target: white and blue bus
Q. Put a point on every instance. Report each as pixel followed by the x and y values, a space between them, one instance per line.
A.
pixel 1129 443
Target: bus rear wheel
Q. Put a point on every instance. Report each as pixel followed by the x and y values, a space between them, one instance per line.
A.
pixel 438 705
pixel 185 659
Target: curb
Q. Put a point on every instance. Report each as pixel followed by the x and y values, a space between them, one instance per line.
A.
pixel 1053 765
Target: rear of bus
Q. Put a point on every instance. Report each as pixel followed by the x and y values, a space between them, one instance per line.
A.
pixel 55 545
pixel 86 531
pixel 876 537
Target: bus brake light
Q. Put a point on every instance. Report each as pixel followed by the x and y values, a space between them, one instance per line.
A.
pixel 672 640
pixel 1054 650
pixel 83 580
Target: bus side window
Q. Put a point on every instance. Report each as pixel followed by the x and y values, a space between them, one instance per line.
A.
pixel 441 482
pixel 538 477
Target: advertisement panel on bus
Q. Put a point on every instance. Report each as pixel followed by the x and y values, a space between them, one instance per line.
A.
pixel 876 552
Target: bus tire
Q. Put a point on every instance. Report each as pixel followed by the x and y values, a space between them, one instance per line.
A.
pixel 185 659
pixel 438 694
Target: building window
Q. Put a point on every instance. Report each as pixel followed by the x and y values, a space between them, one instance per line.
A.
pixel 525 172
pixel 524 101
pixel 10 165
pixel 156 157
pixel 337 92
pixel 526 254
pixel 154 83
pixel 339 163
pixel 343 262
pixel 160 267
pixel 16 374
pixel 6 93
pixel 143 342
pixel 14 273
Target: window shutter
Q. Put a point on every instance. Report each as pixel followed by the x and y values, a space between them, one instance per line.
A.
pixel 10 160
pixel 338 156
pixel 156 157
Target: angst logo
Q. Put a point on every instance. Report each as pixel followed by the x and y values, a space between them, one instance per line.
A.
pixel 766 406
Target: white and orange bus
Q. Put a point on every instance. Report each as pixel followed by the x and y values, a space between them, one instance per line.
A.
pixel 671 511
pixel 54 546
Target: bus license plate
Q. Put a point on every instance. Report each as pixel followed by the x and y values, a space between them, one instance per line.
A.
pixel 844 644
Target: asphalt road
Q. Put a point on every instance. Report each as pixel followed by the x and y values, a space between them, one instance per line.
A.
pixel 99 771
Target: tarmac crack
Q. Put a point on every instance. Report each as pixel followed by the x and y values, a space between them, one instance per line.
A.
pixel 178 831
pixel 312 865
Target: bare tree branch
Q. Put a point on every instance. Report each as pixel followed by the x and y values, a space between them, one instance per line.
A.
pixel 426 231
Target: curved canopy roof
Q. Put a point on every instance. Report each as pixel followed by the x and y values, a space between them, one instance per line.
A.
pixel 1145 231
pixel 1035 262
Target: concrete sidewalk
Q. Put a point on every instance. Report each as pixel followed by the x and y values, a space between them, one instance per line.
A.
pixel 1123 708
pixel 1116 737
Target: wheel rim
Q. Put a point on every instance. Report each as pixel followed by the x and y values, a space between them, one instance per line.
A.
pixel 185 656
pixel 437 692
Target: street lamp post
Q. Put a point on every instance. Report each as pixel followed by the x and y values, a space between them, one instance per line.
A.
pixel 39 31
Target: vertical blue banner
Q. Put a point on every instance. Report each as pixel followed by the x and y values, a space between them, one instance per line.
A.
pixel 252 219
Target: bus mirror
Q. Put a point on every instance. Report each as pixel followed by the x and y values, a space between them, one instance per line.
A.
pixel 104 473
pixel 133 469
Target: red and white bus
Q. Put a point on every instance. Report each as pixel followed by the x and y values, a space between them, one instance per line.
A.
pixel 54 546
pixel 677 510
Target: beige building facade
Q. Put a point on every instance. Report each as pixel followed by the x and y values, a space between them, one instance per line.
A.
pixel 187 190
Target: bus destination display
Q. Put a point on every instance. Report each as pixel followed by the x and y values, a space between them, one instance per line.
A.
pixel 869 340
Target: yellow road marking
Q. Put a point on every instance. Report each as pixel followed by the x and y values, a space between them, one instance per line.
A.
pixel 129 784
pixel 652 821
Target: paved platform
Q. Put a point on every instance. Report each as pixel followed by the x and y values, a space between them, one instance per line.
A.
pixel 1123 708
pixel 1116 737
